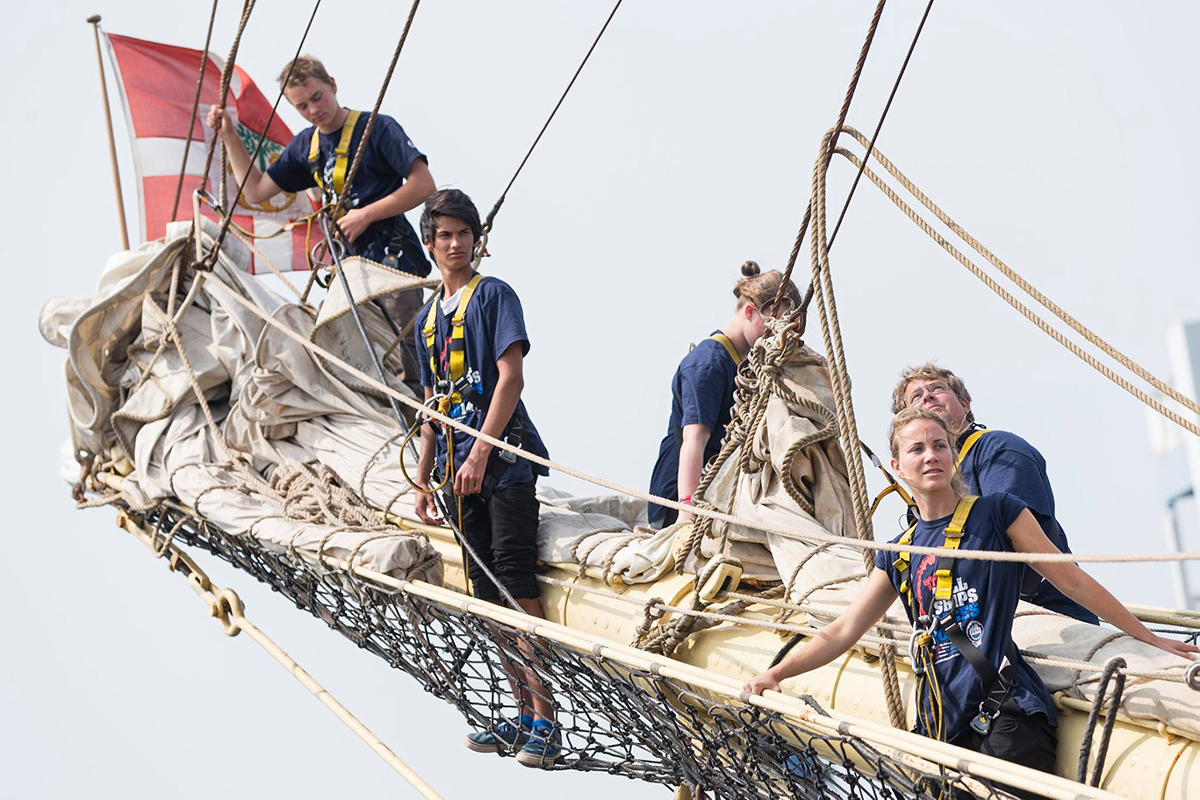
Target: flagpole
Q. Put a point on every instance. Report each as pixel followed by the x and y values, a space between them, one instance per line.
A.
pixel 112 145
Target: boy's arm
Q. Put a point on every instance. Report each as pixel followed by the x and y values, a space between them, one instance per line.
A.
pixel 426 508
pixel 417 188
pixel 259 187
pixel 468 477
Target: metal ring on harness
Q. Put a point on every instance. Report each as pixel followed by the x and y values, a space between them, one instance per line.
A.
pixel 316 259
pixel 918 666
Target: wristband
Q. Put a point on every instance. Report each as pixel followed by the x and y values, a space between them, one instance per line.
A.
pixel 687 501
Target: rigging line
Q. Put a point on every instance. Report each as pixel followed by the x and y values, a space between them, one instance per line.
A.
pixel 845 109
pixel 720 516
pixel 874 137
pixel 195 108
pixel 226 72
pixel 487 225
pixel 262 137
pixel 225 605
pixel 879 126
pixel 362 145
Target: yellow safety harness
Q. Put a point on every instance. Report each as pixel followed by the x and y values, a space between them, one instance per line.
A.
pixel 997 683
pixel 727 343
pixel 456 345
pixel 341 163
pixel 971 442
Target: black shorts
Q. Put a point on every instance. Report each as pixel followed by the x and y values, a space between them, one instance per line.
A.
pixel 502 530
pixel 1026 739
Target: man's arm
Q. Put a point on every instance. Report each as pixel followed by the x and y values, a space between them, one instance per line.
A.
pixel 259 187
pixel 417 188
pixel 426 508
pixel 691 461
pixel 468 478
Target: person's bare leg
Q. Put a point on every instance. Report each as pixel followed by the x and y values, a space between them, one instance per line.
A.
pixel 536 692
pixel 530 693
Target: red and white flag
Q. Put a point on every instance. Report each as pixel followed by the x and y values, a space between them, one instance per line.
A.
pixel 157 83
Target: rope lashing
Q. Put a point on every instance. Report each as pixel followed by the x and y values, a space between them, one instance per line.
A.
pixel 226 607
pixel 487 225
pixel 1113 667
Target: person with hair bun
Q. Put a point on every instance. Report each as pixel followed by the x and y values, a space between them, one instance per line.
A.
pixel 974 689
pixel 702 391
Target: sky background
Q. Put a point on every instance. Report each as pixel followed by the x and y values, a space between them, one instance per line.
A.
pixel 1059 134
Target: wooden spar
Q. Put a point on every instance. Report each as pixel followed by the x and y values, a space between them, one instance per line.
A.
pixel 112 145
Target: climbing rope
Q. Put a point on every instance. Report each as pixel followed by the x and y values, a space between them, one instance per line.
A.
pixel 227 217
pixel 1113 667
pixel 842 112
pixel 212 18
pixel 874 136
pixel 487 225
pixel 1025 286
pixel 362 143
pixel 227 608
pixel 226 74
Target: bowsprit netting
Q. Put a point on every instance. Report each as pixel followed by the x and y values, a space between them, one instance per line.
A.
pixel 613 717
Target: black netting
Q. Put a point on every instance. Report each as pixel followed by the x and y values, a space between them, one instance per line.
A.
pixel 611 718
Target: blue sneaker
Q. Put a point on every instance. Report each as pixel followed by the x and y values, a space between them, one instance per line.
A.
pixel 803 766
pixel 504 736
pixel 543 748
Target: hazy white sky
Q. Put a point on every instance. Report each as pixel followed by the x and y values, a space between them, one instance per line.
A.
pixel 1058 133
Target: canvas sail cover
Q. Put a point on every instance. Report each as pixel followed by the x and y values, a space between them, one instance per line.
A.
pixel 290 417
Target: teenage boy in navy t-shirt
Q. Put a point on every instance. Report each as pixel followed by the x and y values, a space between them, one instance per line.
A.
pixel 492 498
pixel 997 461
pixel 392 179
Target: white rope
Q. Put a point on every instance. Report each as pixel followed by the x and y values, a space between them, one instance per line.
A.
pixel 860 544
pixel 1033 656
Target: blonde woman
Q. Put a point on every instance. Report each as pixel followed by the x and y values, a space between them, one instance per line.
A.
pixel 974 689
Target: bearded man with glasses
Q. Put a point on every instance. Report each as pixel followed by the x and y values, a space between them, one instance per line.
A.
pixel 993 461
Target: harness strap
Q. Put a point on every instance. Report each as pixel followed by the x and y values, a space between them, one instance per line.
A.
pixel 893 485
pixel 971 442
pixel 954 532
pixel 457 344
pixel 727 343
pixel 997 682
pixel 341 163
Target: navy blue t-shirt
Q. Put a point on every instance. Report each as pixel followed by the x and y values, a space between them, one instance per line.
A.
pixel 701 394
pixel 986 593
pixel 1004 462
pixel 494 321
pixel 385 164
